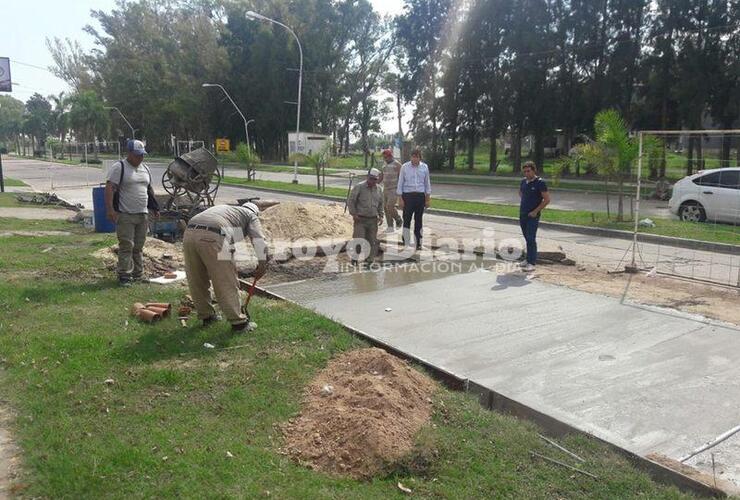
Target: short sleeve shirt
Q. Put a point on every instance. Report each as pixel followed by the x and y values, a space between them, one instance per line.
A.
pixel 531 194
pixel 132 193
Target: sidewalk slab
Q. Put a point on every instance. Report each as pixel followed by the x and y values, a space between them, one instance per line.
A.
pixel 645 379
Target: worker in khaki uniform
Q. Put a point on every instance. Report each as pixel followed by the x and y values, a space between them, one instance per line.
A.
pixel 365 204
pixel 209 258
pixel 389 177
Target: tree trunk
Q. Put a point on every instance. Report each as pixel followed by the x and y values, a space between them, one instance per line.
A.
pixel 539 150
pixel 724 159
pixel 452 151
pixel 471 150
pixel 434 108
pixel 606 190
pixel 620 204
pixel 399 109
pixel 493 155
pixel 516 150
pixel 699 154
pixel 690 157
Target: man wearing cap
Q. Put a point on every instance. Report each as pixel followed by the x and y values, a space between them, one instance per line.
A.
pixel 365 204
pixel 389 177
pixel 128 198
pixel 208 262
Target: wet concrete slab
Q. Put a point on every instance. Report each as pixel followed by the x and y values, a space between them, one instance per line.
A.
pixel 647 379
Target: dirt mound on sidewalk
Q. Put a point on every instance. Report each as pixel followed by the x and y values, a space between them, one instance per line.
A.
pixel 159 257
pixel 291 221
pixel 360 414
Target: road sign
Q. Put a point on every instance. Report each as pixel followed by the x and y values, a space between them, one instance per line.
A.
pixel 5 84
pixel 223 145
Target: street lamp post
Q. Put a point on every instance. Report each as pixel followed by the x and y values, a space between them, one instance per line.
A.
pixel 247 126
pixel 246 132
pixel 133 135
pixel 259 17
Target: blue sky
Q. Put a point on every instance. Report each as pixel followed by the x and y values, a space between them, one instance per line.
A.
pixel 25 25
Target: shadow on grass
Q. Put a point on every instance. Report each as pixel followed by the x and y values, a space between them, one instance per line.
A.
pixel 162 341
pixel 53 293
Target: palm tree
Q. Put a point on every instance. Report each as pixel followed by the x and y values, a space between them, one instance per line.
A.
pixel 60 116
pixel 88 117
pixel 614 152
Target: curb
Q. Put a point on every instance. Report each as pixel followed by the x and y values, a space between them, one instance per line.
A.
pixel 494 401
pixel 706 246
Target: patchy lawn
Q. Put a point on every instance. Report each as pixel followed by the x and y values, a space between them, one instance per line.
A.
pixel 163 424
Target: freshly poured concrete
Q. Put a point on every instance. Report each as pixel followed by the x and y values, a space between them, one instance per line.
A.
pixel 646 379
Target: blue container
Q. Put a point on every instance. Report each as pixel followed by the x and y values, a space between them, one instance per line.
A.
pixel 102 224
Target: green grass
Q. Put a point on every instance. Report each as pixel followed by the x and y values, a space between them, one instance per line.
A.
pixel 13 182
pixel 163 428
pixel 719 233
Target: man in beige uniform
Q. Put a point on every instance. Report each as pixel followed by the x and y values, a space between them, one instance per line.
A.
pixel 208 261
pixel 366 207
pixel 389 177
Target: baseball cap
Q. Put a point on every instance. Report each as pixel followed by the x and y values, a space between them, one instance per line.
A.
pixel 136 147
pixel 374 172
pixel 387 152
pixel 251 206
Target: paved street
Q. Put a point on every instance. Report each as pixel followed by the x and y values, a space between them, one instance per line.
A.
pixel 564 200
pixel 58 175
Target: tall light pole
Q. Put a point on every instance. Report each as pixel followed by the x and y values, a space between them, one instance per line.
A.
pixel 133 135
pixel 259 17
pixel 246 125
pixel 246 132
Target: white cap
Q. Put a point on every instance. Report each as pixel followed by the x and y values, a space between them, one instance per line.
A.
pixel 251 206
pixel 374 172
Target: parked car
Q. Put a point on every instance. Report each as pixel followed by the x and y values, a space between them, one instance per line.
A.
pixel 712 195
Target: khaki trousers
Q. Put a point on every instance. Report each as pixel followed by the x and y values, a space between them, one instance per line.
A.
pixel 201 249
pixel 367 228
pixel 389 205
pixel 131 231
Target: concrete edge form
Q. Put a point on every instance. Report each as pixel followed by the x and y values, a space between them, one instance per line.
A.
pixel 706 246
pixel 494 401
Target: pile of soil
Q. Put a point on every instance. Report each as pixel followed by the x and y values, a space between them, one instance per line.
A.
pixel 360 414
pixel 290 221
pixel 159 257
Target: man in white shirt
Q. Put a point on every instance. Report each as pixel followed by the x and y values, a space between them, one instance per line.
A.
pixel 414 195
pixel 126 198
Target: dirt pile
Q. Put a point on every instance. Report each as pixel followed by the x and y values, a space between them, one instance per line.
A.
pixel 291 221
pixel 159 257
pixel 360 414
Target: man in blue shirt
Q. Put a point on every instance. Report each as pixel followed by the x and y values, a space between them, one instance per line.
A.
pixel 414 192
pixel 534 198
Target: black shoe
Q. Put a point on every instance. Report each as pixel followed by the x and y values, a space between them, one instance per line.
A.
pixel 138 277
pixel 418 246
pixel 124 281
pixel 211 319
pixel 239 327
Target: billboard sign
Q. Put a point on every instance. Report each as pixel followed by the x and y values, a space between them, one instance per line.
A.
pixel 5 84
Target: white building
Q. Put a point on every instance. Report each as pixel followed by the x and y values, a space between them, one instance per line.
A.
pixel 308 143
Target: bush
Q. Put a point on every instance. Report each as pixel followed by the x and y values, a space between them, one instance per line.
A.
pixel 247 156
pixel 91 160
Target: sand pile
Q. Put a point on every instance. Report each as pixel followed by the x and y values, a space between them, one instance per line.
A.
pixel 159 257
pixel 291 221
pixel 359 414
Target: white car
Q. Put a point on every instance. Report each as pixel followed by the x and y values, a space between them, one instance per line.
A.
pixel 712 195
